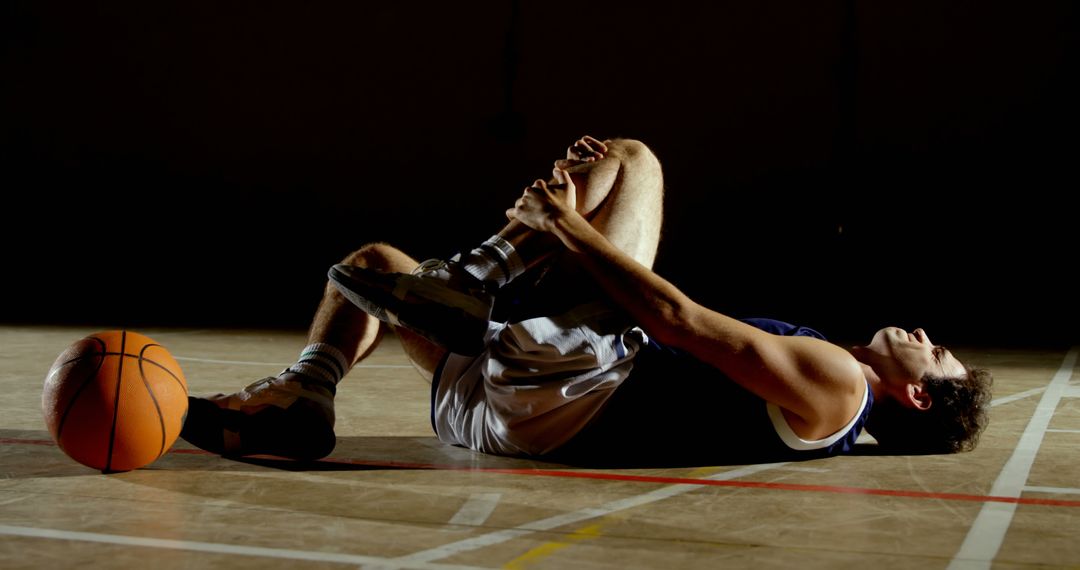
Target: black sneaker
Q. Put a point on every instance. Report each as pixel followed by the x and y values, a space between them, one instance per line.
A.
pixel 439 301
pixel 292 418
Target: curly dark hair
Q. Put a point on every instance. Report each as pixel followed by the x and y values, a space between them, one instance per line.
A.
pixel 958 414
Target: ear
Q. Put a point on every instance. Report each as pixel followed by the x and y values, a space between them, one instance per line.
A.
pixel 918 397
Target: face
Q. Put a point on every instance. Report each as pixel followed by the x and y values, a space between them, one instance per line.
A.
pixel 901 359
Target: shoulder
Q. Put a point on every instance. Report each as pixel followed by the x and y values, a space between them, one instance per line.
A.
pixel 831 381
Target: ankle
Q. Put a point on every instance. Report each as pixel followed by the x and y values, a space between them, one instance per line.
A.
pixel 308 383
pixel 495 262
pixel 322 363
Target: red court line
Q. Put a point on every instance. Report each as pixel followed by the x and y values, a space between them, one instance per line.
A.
pixel 606 476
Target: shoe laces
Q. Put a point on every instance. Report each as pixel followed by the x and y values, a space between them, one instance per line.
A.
pixel 430 265
pixel 452 272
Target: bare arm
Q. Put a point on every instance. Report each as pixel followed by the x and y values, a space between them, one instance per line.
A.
pixel 815 381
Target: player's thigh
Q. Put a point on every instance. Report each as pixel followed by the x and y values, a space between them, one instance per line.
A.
pixel 631 214
pixel 424 354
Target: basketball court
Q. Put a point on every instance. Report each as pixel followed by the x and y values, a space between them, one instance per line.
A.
pixel 392 496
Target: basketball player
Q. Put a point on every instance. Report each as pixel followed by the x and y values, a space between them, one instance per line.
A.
pixel 555 338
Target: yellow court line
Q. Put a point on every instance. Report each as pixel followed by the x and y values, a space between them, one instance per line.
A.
pixel 548 548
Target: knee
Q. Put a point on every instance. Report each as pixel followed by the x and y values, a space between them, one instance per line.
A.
pixel 633 153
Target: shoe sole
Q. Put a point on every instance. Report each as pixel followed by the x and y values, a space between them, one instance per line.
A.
pixel 374 292
pixel 272 431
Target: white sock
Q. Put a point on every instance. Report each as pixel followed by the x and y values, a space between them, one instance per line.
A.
pixel 495 262
pixel 321 361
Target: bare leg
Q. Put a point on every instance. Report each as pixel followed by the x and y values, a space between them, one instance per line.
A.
pixel 622 195
pixel 341 324
pixel 292 415
pixel 629 212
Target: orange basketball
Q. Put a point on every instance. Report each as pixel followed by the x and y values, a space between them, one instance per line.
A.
pixel 115 401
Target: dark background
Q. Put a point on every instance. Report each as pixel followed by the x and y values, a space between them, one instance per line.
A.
pixel 845 165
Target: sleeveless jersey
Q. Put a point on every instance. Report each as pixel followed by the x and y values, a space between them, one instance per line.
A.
pixel 674 408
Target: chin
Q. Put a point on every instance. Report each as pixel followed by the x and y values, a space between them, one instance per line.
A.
pixel 880 339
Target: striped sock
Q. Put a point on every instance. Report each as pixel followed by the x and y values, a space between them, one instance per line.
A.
pixel 495 262
pixel 322 362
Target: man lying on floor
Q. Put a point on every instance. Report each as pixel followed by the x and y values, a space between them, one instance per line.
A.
pixel 554 338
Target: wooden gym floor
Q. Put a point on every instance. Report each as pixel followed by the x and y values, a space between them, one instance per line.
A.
pixel 391 496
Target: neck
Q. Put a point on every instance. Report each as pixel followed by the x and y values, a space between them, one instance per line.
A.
pixel 877 387
pixel 874 381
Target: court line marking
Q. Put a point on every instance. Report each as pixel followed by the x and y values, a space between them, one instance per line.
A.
pixel 550 523
pixel 678 486
pixel 252 363
pixel 807 469
pixel 1055 490
pixel 1018 396
pixel 221 548
pixel 987 533
pixel 476 510
pixel 422 559
pixel 1063 431
pixel 547 549
pixel 712 481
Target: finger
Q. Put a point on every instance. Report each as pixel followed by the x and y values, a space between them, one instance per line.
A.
pixel 588 153
pixel 597 152
pixel 568 163
pixel 579 150
pixel 583 149
pixel 595 143
pixel 562 177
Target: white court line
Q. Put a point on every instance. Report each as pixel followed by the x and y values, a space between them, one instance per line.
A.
pixel 1064 430
pixel 987 533
pixel 249 363
pixel 1017 396
pixel 477 509
pixel 550 523
pixel 1054 490
pixel 807 469
pixel 481 541
pixel 220 548
pixel 244 362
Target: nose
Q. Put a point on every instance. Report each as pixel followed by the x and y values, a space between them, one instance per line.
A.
pixel 921 335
